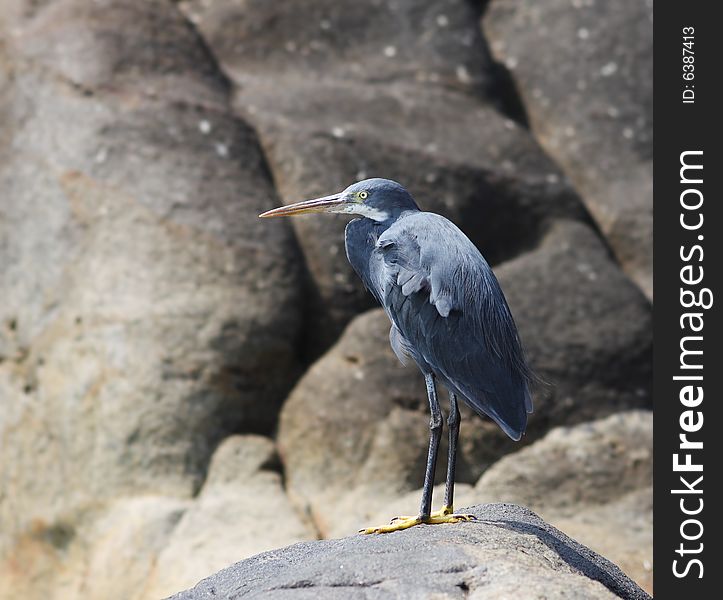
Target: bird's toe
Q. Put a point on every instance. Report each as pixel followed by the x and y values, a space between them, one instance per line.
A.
pixel 397 524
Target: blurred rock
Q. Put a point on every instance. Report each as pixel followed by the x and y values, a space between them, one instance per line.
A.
pixel 146 312
pixel 119 550
pixel 508 553
pixel 103 551
pixel 242 510
pixel 399 90
pixel 586 329
pixel 148 547
pixel 584 71
pixel 622 530
pixel 353 434
pixel 364 41
pixel 591 463
pixel 593 481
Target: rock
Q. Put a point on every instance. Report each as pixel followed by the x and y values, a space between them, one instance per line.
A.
pixel 593 344
pixel 591 463
pixel 622 530
pixel 509 552
pixel 121 548
pixel 347 111
pixel 584 74
pixel 353 434
pixel 593 481
pixel 146 312
pixel 146 547
pixel 364 41
pixel 242 510
pixel 102 551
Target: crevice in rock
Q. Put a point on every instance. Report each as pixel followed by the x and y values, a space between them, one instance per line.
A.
pixel 509 102
pixel 505 95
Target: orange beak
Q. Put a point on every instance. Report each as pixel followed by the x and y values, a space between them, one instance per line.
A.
pixel 325 204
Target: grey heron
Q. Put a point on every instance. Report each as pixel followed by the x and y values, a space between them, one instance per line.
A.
pixel 447 312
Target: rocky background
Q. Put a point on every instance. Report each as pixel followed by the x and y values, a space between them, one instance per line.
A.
pixel 183 385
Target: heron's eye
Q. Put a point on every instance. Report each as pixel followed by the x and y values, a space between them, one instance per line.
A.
pixel 363 195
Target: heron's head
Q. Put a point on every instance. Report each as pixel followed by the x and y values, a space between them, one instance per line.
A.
pixel 377 199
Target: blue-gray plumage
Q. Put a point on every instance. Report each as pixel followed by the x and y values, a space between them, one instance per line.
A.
pixel 447 313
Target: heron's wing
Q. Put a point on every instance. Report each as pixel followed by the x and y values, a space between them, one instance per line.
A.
pixel 450 312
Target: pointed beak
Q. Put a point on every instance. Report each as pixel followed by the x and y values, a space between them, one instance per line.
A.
pixel 325 204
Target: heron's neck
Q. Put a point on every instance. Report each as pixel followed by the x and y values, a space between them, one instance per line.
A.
pixel 385 216
pixel 370 212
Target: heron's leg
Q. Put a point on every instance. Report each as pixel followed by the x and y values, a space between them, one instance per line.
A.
pixel 453 424
pixel 446 515
pixel 435 435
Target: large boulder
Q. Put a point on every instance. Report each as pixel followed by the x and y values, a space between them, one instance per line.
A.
pixel 594 481
pixel 146 312
pixel 353 433
pixel 509 552
pixel 583 70
pixel 592 463
pixel 586 328
pixel 436 42
pixel 399 90
pixel 149 546
pixel 241 510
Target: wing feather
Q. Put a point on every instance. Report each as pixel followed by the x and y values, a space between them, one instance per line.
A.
pixel 451 316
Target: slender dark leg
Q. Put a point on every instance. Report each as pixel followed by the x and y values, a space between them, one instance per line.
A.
pixel 446 515
pixel 453 423
pixel 435 429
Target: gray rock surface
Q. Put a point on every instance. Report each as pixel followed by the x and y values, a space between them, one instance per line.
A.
pixel 508 552
pixel 145 313
pixel 593 343
pixel 241 510
pixel 589 98
pixel 354 41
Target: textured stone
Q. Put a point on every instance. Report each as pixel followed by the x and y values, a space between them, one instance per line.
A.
pixel 584 71
pixel 146 313
pixel 355 427
pixel 353 41
pixel 588 464
pixel 509 552
pixel 592 480
pixel 242 510
pixel 102 551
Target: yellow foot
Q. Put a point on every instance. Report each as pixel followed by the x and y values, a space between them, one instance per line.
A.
pixel 397 524
pixel 444 515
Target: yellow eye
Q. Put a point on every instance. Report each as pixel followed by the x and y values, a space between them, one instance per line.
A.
pixel 363 195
